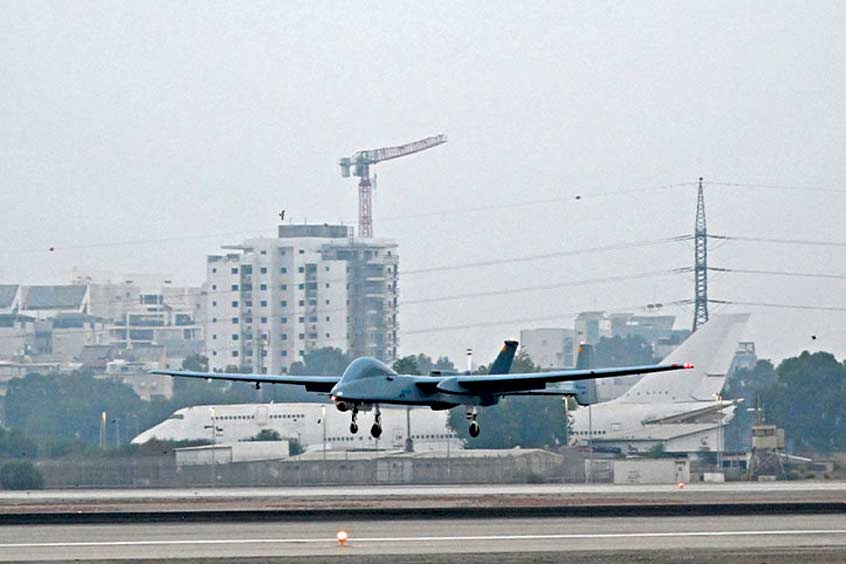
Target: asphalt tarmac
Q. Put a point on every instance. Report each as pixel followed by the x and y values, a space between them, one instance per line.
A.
pixel 775 538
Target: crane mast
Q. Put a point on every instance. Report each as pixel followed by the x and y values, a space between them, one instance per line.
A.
pixel 359 165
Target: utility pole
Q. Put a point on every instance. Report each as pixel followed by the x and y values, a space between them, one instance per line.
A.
pixel 700 269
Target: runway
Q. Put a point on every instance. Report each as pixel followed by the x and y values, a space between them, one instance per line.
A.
pixel 518 539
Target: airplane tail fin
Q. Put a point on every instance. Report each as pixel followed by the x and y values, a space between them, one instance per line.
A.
pixel 710 349
pixel 585 389
pixel 502 364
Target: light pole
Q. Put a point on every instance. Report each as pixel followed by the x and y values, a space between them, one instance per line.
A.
pixel 323 420
pixel 719 399
pixel 214 430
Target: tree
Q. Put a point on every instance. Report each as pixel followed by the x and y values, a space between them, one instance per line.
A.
pixel 407 365
pixel 14 444
pixel 807 401
pixel 267 435
pixel 326 361
pixel 21 475
pixel 196 363
pixel 444 363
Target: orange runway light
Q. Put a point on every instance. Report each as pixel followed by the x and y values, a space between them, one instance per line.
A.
pixel 682 485
pixel 342 537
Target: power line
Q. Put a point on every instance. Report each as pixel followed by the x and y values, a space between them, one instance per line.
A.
pixel 779 273
pixel 555 254
pixel 506 291
pixel 572 196
pixel 448 267
pixel 780 306
pixel 779 241
pixel 558 285
pixel 562 315
pixel 778 187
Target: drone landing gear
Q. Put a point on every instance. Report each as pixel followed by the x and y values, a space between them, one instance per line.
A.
pixel 376 429
pixel 354 425
pixel 470 414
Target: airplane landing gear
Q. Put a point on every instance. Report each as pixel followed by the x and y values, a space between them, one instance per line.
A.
pixel 354 425
pixel 376 429
pixel 470 414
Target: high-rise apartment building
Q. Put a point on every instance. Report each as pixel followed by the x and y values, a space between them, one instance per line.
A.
pixel 314 286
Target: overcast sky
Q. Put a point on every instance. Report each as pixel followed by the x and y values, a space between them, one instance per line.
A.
pixel 160 120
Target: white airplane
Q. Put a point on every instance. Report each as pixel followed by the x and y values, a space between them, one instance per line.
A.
pixel 304 422
pixel 683 411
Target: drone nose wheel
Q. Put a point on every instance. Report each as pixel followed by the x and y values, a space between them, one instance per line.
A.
pixel 376 431
pixel 474 429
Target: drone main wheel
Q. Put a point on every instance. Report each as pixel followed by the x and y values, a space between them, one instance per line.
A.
pixel 376 431
pixel 474 429
pixel 353 428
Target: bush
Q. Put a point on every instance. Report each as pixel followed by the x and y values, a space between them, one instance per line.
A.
pixel 21 475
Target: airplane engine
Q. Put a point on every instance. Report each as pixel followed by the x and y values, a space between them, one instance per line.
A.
pixel 342 406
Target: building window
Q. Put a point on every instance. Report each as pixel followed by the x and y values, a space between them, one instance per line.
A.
pixel 284 336
pixel 234 321
pixel 234 336
pixel 301 269
pixel 214 353
pixel 282 252
pixel 284 320
pixel 283 270
pixel 301 287
pixel 302 336
pixel 327 269
pixel 284 353
pixel 234 304
pixel 214 271
pixel 302 252
pixel 234 353
pixel 214 319
pixel 327 318
pixel 263 287
pixel 284 303
pixel 327 335
pixel 214 286
pixel 301 319
pixel 246 269
pixel 263 270
pixel 327 302
pixel 234 287
pixel 312 319
pixel 283 287
pixel 214 337
pixel 264 320
pixel 248 303
pixel 263 252
pixel 327 284
pixel 234 270
pixel 263 303
pixel 302 303
pixel 214 304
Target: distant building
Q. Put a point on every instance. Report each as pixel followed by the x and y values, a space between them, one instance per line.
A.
pixel 313 286
pixel 745 357
pixel 590 326
pixel 43 302
pixel 9 298
pixel 549 348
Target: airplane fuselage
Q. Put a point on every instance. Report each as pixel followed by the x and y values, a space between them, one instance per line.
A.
pixel 367 381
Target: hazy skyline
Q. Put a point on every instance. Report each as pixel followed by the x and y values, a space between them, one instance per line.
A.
pixel 156 121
